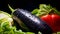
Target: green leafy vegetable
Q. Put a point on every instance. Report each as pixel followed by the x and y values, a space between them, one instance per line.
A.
pixel 44 9
pixel 5 28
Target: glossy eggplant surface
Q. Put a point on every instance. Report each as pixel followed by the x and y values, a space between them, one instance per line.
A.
pixel 34 23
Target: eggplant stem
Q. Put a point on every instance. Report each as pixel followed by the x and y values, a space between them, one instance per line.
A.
pixel 12 10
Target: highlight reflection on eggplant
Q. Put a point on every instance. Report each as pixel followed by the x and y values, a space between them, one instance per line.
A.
pixel 34 23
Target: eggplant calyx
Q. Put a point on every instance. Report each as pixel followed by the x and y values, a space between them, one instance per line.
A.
pixel 11 8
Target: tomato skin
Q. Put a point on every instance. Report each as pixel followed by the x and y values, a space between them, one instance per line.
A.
pixel 53 20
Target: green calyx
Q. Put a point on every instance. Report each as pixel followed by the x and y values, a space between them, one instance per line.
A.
pixel 44 9
pixel 11 8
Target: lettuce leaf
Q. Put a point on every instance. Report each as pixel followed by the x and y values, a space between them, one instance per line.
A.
pixel 45 9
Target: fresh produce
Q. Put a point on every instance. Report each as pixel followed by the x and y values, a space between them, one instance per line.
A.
pixel 53 21
pixel 5 28
pixel 34 23
pixel 50 15
pixel 4 16
pixel 6 23
pixel 47 19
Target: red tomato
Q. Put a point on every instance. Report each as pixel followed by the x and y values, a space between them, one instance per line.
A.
pixel 53 20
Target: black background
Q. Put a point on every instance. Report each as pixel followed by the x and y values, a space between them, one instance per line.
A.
pixel 27 4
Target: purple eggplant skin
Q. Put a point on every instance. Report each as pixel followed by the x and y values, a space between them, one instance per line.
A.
pixel 34 23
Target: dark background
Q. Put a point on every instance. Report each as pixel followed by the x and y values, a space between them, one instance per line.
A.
pixel 27 4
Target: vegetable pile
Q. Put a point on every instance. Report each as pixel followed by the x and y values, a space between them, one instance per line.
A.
pixel 45 20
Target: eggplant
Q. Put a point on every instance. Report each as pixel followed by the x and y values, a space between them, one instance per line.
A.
pixel 30 21
pixel 34 23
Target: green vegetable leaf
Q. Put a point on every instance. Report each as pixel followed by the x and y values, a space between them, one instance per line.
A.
pixel 44 9
pixel 35 11
pixel 29 33
pixel 44 6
